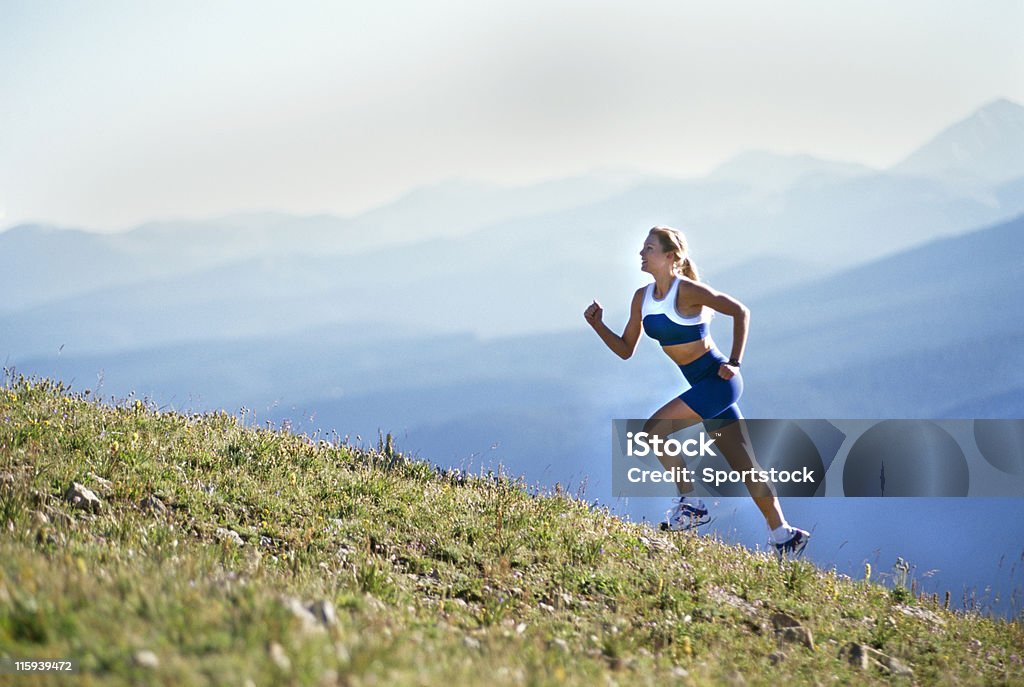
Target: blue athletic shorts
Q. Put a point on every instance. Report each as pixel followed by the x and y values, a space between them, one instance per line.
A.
pixel 709 395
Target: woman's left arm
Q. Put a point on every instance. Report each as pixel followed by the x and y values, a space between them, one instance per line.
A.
pixel 702 294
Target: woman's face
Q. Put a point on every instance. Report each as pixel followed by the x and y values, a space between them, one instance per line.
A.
pixel 653 258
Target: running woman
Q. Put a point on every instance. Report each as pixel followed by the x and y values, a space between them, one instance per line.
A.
pixel 675 310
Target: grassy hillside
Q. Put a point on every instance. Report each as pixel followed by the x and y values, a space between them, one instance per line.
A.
pixel 222 554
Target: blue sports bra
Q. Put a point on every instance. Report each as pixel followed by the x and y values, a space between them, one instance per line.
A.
pixel 665 325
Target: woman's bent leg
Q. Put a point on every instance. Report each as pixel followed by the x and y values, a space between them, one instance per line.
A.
pixel 672 417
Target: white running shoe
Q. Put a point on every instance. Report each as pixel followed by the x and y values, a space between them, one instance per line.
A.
pixel 794 546
pixel 684 517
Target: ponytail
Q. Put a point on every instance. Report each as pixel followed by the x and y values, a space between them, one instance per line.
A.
pixel 689 269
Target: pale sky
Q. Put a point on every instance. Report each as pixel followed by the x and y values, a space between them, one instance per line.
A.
pixel 115 113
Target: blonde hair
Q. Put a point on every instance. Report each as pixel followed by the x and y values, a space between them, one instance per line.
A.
pixel 672 241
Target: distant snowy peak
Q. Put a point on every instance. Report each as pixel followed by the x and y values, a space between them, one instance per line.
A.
pixel 986 147
pixel 767 171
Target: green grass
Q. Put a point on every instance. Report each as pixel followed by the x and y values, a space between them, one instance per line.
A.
pixel 438 577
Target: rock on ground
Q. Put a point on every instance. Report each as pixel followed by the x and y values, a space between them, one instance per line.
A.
pixel 81 497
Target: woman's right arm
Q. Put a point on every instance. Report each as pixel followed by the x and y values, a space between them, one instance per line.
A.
pixel 622 346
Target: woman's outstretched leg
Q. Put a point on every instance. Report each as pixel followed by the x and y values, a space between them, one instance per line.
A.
pixel 734 441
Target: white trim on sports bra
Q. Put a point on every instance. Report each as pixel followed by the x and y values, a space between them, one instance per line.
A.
pixel 667 306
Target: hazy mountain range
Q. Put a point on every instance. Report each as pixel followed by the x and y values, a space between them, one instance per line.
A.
pixel 346 318
pixel 912 335
pixel 986 148
pixel 269 309
pixel 470 258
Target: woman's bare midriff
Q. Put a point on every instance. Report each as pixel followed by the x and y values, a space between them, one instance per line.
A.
pixel 682 354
